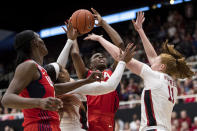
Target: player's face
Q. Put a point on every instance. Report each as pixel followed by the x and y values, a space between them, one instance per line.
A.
pixel 41 45
pixel 63 76
pixel 98 61
pixel 157 65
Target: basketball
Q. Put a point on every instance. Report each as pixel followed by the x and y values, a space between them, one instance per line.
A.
pixel 83 21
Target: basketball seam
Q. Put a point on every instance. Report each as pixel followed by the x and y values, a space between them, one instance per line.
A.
pixel 85 23
pixel 76 21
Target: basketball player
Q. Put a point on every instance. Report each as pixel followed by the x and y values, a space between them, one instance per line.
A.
pixel 160 91
pixel 69 123
pixel 37 93
pixel 72 122
pixel 101 108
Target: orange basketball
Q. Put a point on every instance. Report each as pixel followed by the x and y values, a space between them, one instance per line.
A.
pixel 83 21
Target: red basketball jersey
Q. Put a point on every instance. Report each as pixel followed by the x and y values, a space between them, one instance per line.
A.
pixel 102 105
pixel 41 88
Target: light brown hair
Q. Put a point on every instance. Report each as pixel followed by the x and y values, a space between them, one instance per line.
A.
pixel 175 62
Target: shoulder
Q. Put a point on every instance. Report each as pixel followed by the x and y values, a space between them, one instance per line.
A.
pixel 27 66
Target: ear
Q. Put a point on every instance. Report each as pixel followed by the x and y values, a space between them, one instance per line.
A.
pixel 162 67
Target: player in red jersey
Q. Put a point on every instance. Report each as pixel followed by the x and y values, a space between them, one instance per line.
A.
pixel 31 81
pixel 102 108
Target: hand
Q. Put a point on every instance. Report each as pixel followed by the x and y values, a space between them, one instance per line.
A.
pixel 140 19
pixel 92 37
pixel 70 31
pixel 50 103
pixel 97 17
pixel 95 76
pixel 128 54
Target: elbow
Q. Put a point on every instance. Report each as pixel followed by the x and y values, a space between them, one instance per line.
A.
pixel 74 54
pixel 4 101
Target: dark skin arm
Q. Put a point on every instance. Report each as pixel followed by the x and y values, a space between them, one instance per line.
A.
pixel 11 99
pixel 78 62
pixel 113 34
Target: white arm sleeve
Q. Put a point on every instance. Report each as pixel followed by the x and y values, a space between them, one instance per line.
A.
pixel 100 88
pixel 63 57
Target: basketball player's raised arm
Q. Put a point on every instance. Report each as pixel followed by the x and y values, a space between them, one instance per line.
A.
pixel 26 73
pixel 71 35
pixel 78 63
pixel 150 51
pixel 115 37
pixel 100 88
pixel 134 65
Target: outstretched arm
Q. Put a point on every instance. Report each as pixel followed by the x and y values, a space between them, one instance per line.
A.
pixel 150 51
pixel 134 65
pixel 71 35
pixel 79 65
pixel 63 88
pixel 100 88
pixel 115 37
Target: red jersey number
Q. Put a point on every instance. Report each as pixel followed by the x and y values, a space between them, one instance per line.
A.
pixel 171 94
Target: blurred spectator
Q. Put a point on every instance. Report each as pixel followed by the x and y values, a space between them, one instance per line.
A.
pixel 8 128
pixel 194 126
pixel 184 118
pixel 184 126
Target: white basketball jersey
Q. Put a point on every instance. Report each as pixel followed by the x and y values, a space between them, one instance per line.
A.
pixel 157 100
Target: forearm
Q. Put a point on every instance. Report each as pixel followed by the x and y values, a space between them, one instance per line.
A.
pixel 63 88
pixel 115 37
pixel 63 57
pixel 150 51
pixel 100 88
pixel 111 49
pixel 15 101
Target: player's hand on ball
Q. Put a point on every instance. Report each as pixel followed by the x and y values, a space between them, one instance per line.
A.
pixel 93 37
pixel 95 76
pixel 139 21
pixel 128 54
pixel 97 17
pixel 70 31
pixel 51 104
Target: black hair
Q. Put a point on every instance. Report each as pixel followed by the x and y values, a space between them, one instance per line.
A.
pixel 51 72
pixel 22 45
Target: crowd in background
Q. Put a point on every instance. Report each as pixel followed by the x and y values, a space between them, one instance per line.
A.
pixel 179 27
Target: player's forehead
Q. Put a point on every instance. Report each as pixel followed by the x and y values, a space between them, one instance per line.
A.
pixel 97 55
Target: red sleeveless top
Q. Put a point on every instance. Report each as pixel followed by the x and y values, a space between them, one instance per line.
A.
pixel 41 88
pixel 107 103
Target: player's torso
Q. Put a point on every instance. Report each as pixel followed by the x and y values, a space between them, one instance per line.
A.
pixel 107 102
pixel 157 102
pixel 41 88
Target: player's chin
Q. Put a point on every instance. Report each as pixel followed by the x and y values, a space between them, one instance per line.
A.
pixel 102 66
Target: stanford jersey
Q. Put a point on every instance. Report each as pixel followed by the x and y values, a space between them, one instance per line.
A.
pixel 157 100
pixel 102 108
pixel 41 88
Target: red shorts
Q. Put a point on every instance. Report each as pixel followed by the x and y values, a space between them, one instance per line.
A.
pixel 42 127
pixel 101 122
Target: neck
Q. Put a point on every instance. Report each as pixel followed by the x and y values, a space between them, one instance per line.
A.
pixel 38 59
